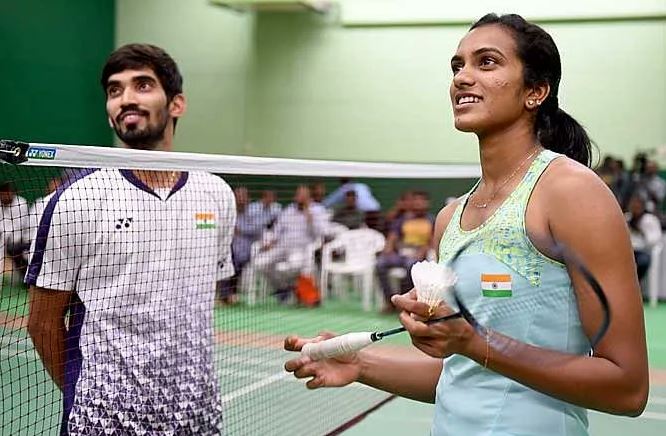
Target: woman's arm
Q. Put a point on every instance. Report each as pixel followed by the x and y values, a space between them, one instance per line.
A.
pixel 403 371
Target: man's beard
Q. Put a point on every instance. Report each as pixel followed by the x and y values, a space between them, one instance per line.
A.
pixel 147 138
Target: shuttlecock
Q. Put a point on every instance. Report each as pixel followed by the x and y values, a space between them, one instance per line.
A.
pixel 432 282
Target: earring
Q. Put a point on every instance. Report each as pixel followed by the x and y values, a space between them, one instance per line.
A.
pixel 538 102
pixel 530 103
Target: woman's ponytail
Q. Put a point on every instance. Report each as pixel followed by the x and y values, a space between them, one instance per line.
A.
pixel 560 132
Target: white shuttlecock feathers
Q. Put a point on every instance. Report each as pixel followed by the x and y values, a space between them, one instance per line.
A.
pixel 432 282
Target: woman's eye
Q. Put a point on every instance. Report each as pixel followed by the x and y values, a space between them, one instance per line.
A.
pixel 487 61
pixel 455 68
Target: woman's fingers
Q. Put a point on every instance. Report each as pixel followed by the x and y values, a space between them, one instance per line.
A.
pixel 413 326
pixel 410 305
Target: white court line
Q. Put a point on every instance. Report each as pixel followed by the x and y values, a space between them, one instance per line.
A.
pixel 254 386
pixel 251 361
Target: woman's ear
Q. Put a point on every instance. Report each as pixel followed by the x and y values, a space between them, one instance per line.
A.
pixel 536 96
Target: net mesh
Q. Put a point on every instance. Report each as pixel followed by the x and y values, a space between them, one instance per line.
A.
pixel 166 283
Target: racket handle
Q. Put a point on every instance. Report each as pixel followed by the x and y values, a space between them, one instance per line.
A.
pixel 345 344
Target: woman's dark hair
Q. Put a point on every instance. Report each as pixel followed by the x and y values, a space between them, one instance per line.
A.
pixel 555 129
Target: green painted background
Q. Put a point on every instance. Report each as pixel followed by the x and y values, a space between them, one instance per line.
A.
pixel 306 85
pixel 51 54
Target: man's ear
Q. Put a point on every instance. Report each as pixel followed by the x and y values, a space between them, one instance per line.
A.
pixel 177 106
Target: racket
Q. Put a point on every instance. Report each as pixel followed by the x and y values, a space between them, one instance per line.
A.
pixel 355 341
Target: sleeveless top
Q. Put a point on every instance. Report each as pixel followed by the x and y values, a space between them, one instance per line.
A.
pixel 515 290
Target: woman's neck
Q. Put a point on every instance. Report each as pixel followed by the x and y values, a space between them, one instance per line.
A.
pixel 502 152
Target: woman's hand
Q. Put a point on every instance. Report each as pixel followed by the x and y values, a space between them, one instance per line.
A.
pixel 441 339
pixel 334 372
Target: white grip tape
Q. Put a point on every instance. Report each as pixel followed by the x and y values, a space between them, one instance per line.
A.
pixel 337 346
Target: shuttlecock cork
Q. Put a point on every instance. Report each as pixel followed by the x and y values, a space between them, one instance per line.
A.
pixel 432 282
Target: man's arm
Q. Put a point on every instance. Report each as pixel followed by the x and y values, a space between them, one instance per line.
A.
pixel 46 326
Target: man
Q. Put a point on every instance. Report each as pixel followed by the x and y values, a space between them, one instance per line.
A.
pixel 408 242
pixel 132 259
pixel 265 212
pixel 248 230
pixel 348 214
pixel 14 213
pixel 287 255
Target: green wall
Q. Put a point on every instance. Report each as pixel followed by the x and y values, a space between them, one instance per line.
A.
pixel 329 86
pixel 212 46
pixel 320 90
pixel 51 53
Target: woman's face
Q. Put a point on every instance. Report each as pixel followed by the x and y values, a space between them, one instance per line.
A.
pixel 487 91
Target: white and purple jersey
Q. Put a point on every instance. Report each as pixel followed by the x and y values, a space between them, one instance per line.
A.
pixel 143 265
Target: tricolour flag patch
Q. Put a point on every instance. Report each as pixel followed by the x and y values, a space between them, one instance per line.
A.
pixel 496 285
pixel 205 220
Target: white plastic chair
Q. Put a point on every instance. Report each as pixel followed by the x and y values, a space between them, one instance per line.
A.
pixel 360 247
pixel 254 283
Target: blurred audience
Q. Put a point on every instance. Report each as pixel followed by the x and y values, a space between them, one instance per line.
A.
pixel 15 217
pixel 407 243
pixel 287 254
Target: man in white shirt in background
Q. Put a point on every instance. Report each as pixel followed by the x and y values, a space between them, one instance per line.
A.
pixel 296 232
pixel 644 230
pixel 15 225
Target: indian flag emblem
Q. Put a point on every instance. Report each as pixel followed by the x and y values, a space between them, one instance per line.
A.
pixel 205 220
pixel 496 285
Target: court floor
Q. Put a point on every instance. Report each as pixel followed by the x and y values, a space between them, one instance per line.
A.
pixel 260 398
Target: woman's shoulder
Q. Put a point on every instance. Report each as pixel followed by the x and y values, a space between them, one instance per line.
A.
pixel 565 177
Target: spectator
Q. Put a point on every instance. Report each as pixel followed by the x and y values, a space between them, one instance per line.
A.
pixel 247 231
pixel 15 217
pixel 408 242
pixel 654 186
pixel 365 201
pixel 645 232
pixel 348 214
pixel 286 256
pixel 265 211
pixel 318 191
pixel 401 208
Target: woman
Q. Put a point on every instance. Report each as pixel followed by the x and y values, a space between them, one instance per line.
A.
pixel 537 189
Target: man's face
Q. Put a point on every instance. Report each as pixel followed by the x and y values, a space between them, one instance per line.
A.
pixel 350 200
pixel 268 197
pixel 302 196
pixel 420 204
pixel 137 107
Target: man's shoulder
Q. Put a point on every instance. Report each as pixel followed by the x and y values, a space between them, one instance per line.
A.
pixel 209 181
pixel 85 184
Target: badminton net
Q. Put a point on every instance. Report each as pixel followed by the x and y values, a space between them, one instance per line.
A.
pixel 165 283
